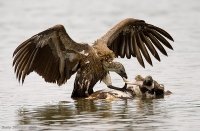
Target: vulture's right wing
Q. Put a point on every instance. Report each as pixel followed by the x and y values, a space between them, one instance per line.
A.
pixel 51 53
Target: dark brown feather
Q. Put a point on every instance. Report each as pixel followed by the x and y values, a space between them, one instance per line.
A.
pixel 116 49
pixel 43 52
pixel 23 45
pixel 22 60
pixel 146 33
pixel 123 44
pixel 18 60
pixel 161 39
pixel 32 65
pixel 137 52
pixel 143 49
pixel 20 53
pixel 132 46
pixel 161 31
pixel 127 48
pixel 156 43
pixel 45 63
pixel 25 70
pixel 25 62
pixel 150 46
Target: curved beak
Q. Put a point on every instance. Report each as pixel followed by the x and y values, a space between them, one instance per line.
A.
pixel 123 74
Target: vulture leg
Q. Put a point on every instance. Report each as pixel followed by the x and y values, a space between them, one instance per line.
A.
pixel 107 81
pixel 83 85
pixel 84 82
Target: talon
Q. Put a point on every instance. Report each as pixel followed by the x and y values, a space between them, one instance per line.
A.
pixel 125 85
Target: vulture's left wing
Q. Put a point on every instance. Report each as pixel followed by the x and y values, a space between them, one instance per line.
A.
pixel 131 37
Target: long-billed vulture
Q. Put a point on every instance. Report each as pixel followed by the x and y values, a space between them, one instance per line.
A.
pixel 56 57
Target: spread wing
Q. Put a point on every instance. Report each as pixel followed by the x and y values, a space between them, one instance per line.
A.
pixel 132 37
pixel 51 53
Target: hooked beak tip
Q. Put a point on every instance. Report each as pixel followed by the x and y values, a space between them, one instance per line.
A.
pixel 125 76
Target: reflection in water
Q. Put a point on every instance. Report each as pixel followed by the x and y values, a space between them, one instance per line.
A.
pixel 92 113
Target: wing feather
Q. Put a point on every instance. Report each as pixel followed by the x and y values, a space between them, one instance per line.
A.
pixel 156 43
pixel 47 53
pixel 143 49
pixel 137 52
pixel 25 70
pixel 146 37
pixel 161 31
pixel 127 48
pixel 115 47
pixel 132 40
pixel 161 39
pixel 23 45
pixel 122 51
pixel 22 63
pixel 150 46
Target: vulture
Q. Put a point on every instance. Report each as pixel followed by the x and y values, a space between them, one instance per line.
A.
pixel 55 56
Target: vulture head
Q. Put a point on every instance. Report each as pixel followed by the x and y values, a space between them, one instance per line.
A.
pixel 115 67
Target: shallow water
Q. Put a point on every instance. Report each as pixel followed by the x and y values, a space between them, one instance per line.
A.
pixel 42 106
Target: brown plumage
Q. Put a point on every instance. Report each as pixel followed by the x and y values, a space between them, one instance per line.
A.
pixel 56 57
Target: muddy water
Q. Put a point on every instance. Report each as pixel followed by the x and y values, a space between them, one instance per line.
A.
pixel 42 106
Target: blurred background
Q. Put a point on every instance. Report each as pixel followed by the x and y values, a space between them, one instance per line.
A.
pixel 43 106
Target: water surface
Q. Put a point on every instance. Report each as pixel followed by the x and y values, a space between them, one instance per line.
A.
pixel 37 105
